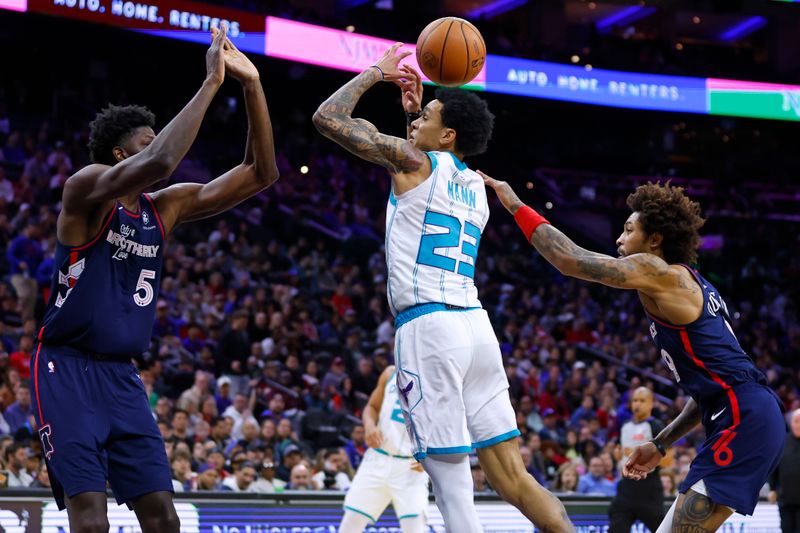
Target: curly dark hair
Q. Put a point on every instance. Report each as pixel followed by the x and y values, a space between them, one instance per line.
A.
pixel 665 209
pixel 112 126
pixel 469 116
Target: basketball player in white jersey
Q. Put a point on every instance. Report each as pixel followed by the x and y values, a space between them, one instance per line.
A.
pixel 453 388
pixel 388 472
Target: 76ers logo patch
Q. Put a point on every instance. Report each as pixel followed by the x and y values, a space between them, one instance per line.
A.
pixel 47 447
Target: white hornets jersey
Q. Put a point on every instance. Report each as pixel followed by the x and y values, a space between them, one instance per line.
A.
pixel 432 236
pixel 390 422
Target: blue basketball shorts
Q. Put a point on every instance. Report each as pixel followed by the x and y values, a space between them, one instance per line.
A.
pixel 745 435
pixel 95 425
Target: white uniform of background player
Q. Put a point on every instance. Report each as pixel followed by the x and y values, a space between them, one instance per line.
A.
pixel 388 473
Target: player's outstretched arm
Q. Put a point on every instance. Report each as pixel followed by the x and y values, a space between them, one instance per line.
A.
pixel 645 272
pixel 99 183
pixel 372 410
pixel 334 120
pixel 647 456
pixel 185 202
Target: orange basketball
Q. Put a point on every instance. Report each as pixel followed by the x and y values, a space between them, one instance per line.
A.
pixel 451 51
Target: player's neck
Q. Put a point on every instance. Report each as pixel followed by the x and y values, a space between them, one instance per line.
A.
pixel 640 420
pixel 130 202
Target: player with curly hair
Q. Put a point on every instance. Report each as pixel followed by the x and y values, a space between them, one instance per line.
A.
pixel 691 327
pixel 94 420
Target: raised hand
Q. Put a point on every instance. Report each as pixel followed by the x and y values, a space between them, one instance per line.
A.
pixel 215 60
pixel 411 88
pixel 237 64
pixel 642 461
pixel 505 193
pixel 389 62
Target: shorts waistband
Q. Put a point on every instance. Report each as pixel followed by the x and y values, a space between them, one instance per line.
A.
pixel 384 452
pixel 69 351
pixel 410 313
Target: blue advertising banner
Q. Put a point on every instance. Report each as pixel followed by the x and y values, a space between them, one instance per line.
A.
pixel 540 79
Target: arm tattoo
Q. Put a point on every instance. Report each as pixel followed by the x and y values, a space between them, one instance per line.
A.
pixel 559 250
pixel 333 119
pixel 690 286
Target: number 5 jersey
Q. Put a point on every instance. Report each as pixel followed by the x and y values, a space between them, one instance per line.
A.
pixel 103 293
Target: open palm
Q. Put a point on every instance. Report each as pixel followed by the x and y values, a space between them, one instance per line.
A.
pixel 236 63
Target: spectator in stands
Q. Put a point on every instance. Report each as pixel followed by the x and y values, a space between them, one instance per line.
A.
pixel 668 487
pixel 365 379
pixel 550 430
pixel 566 479
pixel 20 412
pixel 221 432
pixel 42 480
pixel 197 393
pixel 223 395
pixel 785 479
pixel 233 351
pixel 332 382
pixel 21 359
pixel 594 482
pixel 242 478
pixel 207 478
pixel 584 413
pixel 357 445
pixel 180 427
pixel 329 474
pixel 24 254
pixel 15 466
pixel 300 478
pixel 479 483
pixel 291 458
pixel 181 463
pixel 240 414
pixel 267 482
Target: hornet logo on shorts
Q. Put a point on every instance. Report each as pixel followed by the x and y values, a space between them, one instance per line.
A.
pixel 145 217
pixel 405 390
pixel 51 367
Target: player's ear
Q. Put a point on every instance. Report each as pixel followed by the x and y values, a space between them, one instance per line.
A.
pixel 655 240
pixel 119 153
pixel 448 137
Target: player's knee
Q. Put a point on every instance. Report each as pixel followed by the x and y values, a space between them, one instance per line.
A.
pixel 92 524
pixel 554 519
pixel 163 523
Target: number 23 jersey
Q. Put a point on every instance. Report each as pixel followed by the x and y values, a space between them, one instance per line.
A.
pixel 103 293
pixel 433 233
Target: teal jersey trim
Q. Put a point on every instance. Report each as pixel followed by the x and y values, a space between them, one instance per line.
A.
pixel 460 165
pixel 384 452
pixel 347 507
pixel 416 311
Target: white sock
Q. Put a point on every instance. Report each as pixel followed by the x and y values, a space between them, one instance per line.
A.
pixel 414 524
pixel 353 522
pixel 452 485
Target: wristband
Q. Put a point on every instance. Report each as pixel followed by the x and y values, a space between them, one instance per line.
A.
pixel 528 220
pixel 379 70
pixel 659 447
pixel 412 116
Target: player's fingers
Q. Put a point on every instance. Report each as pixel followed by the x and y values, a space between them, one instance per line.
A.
pixel 488 180
pixel 403 55
pixel 214 32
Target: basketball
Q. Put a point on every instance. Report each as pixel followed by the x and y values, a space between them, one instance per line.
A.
pixel 451 51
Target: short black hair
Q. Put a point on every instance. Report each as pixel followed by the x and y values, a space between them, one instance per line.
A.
pixel 112 126
pixel 469 115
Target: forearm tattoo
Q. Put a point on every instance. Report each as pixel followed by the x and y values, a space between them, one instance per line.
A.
pixel 333 119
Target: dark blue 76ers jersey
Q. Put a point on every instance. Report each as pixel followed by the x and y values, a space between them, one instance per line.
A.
pixel 705 357
pixel 104 293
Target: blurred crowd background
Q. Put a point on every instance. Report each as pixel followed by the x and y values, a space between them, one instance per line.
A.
pixel 272 325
